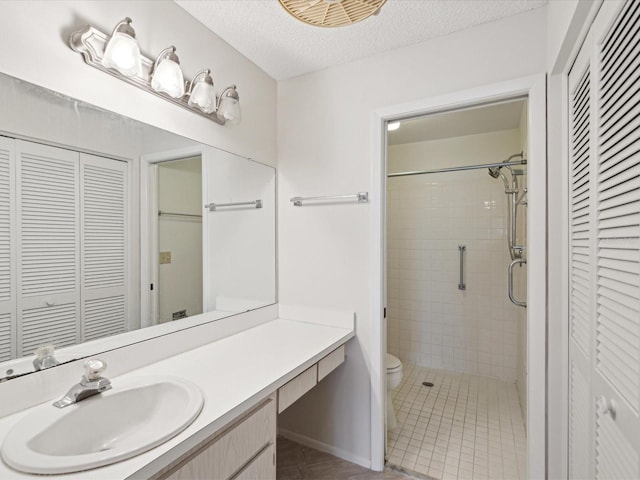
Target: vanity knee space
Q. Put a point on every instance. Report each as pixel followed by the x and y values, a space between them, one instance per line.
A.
pixel 297 387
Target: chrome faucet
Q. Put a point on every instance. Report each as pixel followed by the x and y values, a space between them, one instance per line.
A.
pixel 44 358
pixel 91 384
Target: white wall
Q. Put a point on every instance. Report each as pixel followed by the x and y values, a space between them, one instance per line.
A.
pixel 324 147
pixel 430 322
pixel 180 281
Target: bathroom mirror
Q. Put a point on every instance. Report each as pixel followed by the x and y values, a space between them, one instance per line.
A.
pixel 113 231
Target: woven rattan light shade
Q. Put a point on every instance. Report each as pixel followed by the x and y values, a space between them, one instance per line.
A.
pixel 331 13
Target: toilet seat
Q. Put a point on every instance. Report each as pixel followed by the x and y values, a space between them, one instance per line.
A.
pixel 393 363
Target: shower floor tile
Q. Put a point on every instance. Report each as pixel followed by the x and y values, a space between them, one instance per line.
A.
pixel 463 427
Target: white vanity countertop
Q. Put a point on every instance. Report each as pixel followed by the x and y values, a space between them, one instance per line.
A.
pixel 234 374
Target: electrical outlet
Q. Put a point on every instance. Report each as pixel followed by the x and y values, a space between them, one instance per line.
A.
pixel 165 257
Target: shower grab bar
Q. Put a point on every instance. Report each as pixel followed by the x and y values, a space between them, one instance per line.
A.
pixel 462 249
pixel 360 197
pixel 214 206
pixel 459 169
pixel 520 261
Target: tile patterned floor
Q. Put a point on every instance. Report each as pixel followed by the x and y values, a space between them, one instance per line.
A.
pixel 297 462
pixel 464 427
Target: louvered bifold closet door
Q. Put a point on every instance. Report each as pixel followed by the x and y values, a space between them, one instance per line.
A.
pixel 616 378
pixel 104 239
pixel 7 255
pixel 581 271
pixel 47 231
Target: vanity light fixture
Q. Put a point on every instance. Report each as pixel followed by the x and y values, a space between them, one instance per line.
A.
pixel 119 56
pixel 391 126
pixel 167 75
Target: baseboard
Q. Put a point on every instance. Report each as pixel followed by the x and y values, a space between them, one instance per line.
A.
pixel 324 447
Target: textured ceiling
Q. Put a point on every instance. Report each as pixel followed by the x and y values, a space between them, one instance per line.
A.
pixel 285 47
pixel 470 121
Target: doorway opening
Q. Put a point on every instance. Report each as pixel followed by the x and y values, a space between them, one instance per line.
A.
pixel 178 262
pixel 456 287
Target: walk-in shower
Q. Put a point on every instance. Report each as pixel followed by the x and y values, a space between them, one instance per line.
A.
pixel 455 239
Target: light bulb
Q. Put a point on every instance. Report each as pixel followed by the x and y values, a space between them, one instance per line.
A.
pixel 122 52
pixel 202 93
pixel 167 75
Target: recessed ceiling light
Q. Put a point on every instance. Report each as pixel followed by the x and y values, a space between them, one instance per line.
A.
pixel 391 126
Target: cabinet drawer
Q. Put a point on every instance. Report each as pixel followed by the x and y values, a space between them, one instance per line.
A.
pixel 329 363
pixel 232 448
pixel 293 390
pixel 263 467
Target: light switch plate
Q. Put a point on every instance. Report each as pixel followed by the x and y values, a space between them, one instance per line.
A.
pixel 165 257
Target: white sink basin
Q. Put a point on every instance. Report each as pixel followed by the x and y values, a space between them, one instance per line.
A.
pixel 135 416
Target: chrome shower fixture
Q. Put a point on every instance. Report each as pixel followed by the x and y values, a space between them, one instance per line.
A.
pixel 512 190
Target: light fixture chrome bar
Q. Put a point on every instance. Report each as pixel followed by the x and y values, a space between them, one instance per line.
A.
pixel 360 197
pixel 459 169
pixel 520 261
pixel 90 43
pixel 214 206
pixel 162 213
pixel 461 285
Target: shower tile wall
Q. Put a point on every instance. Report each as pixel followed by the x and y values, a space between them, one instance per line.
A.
pixel 430 321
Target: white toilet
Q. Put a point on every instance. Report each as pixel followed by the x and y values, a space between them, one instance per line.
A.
pixel 394 377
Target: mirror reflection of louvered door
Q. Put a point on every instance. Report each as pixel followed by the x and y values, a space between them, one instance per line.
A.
pixel 604 360
pixel 7 260
pixel 48 226
pixel 104 219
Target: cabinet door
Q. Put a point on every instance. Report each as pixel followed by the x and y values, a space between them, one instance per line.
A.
pixel 48 253
pixel 103 198
pixel 604 362
pixel 7 251
pixel 263 467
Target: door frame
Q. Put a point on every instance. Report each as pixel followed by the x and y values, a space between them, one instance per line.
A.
pixel 533 88
pixel 149 228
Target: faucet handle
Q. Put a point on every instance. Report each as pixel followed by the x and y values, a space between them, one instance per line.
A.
pixel 93 368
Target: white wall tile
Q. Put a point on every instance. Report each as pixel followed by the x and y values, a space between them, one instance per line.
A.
pixel 430 321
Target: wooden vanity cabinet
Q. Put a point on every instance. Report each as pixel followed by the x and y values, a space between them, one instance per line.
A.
pixel 243 450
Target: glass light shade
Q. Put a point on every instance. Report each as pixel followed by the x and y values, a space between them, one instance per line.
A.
pixel 168 78
pixel 203 96
pixel 123 54
pixel 229 109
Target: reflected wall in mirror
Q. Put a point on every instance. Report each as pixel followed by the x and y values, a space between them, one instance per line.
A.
pixel 104 230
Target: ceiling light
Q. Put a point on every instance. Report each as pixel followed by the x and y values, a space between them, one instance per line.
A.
pixel 391 126
pixel 119 56
pixel 229 105
pixel 167 75
pixel 122 51
pixel 332 13
pixel 201 92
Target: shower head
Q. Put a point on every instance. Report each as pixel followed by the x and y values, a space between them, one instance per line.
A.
pixel 494 171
